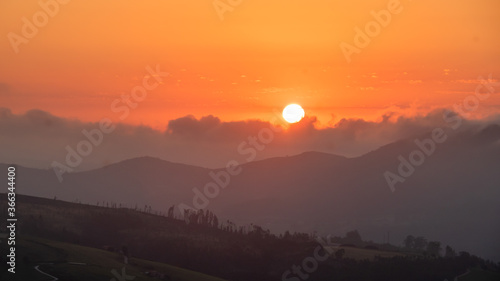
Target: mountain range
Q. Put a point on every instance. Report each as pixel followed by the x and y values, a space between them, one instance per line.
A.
pixel 446 190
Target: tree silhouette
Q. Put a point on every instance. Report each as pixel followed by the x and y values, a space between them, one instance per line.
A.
pixel 449 252
pixel 170 212
pixel 420 243
pixel 353 237
pixel 409 242
pixel 434 248
pixel 339 254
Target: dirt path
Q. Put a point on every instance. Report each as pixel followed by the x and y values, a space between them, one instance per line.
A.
pixel 461 275
pixel 37 269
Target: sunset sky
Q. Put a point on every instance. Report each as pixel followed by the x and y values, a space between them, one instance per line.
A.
pixel 321 117
pixel 259 57
pixel 246 63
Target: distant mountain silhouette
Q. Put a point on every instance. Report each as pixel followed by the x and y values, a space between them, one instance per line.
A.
pixel 453 197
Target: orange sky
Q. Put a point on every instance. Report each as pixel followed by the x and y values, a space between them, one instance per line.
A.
pixel 260 57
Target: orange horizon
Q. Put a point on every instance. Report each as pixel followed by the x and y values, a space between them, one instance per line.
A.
pixel 254 60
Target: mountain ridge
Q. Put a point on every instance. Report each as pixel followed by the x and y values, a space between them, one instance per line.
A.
pixel 456 185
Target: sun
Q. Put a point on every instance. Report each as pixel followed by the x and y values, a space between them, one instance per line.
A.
pixel 293 113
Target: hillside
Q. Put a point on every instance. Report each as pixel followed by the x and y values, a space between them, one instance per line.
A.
pixel 67 261
pixel 55 236
pixel 225 251
pixel 453 196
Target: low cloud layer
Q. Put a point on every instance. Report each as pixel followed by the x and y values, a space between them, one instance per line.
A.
pixel 38 138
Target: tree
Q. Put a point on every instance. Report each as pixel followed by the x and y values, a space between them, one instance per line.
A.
pixel 434 248
pixel 449 252
pixel 409 242
pixel 215 221
pixel 171 212
pixel 420 243
pixel 353 237
pixel 339 254
pixel 126 254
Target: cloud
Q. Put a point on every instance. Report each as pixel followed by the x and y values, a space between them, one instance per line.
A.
pixel 37 138
pixel 212 129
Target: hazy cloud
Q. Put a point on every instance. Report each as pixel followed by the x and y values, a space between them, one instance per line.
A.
pixel 211 128
pixel 37 138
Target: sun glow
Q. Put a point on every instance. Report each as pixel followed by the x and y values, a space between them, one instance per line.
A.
pixel 293 113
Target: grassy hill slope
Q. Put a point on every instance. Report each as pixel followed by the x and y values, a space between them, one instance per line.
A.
pixel 79 263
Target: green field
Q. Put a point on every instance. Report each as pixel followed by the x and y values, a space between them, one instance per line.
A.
pixel 55 258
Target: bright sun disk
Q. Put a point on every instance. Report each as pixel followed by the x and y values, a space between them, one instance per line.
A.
pixel 293 113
